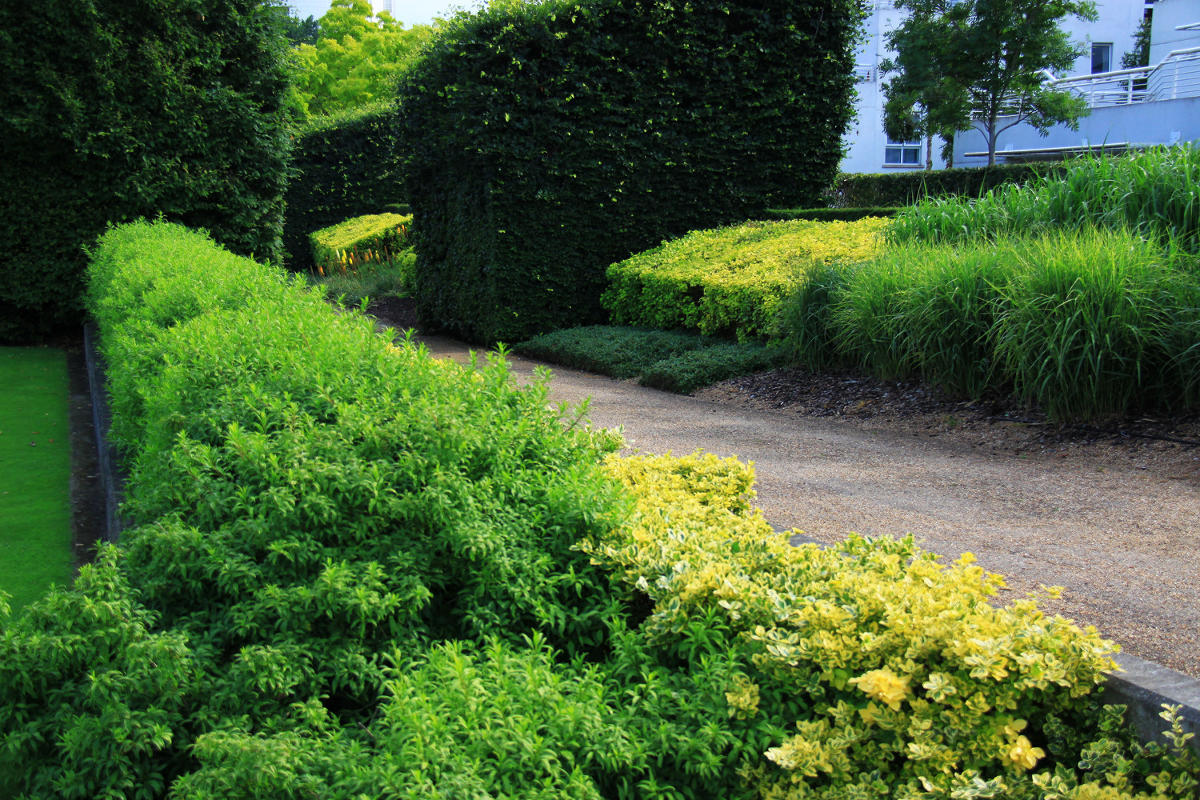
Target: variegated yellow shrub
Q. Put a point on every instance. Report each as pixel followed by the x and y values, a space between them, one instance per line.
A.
pixel 732 280
pixel 917 684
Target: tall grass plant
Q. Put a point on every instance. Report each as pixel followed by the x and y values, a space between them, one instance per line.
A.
pixel 1155 193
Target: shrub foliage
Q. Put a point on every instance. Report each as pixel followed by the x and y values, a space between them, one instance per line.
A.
pixel 343 166
pixel 851 190
pixel 732 280
pixel 543 142
pixel 115 109
pixel 357 571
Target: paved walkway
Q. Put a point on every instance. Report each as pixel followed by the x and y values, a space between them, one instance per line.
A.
pixel 1125 543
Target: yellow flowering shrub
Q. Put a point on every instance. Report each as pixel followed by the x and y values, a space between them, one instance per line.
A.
pixel 918 684
pixel 732 280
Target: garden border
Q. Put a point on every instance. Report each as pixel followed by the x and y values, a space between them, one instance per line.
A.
pixel 1141 685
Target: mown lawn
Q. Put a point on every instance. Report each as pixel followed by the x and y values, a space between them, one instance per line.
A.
pixel 35 472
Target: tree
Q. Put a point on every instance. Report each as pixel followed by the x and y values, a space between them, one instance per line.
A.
pixel 1139 56
pixel 982 64
pixel 356 60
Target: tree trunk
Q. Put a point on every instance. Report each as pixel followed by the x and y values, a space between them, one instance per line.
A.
pixel 993 134
pixel 928 152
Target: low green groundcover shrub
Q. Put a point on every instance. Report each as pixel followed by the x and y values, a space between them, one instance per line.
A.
pixel 672 360
pixel 1084 324
pixel 732 280
pixel 357 571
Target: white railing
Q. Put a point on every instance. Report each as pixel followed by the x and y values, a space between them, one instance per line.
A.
pixel 1176 76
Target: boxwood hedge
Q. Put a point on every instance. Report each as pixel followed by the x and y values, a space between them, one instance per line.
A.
pixel 543 142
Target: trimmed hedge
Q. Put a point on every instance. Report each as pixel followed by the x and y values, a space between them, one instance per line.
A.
pixel 891 189
pixel 543 142
pixel 731 281
pixel 342 166
pixel 115 109
pixel 829 214
pixel 372 238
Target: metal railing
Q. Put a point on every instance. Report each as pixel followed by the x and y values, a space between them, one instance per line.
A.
pixel 1176 76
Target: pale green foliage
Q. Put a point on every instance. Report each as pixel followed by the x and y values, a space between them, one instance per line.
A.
pixel 356 61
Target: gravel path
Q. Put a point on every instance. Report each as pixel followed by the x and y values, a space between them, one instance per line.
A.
pixel 1122 539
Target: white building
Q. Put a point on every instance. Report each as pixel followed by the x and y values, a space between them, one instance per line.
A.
pixel 1102 42
pixel 1130 109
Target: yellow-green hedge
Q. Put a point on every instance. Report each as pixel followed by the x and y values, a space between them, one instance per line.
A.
pixel 369 239
pixel 917 685
pixel 731 280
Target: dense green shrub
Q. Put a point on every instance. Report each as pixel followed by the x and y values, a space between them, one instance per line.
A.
pixel 672 360
pixel 830 214
pixel 1155 192
pixel 342 166
pixel 852 190
pixel 731 281
pixel 307 501
pixel 1083 324
pixel 542 142
pixel 115 109
pixel 695 369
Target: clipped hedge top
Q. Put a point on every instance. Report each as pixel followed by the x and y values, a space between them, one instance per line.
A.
pixel 732 280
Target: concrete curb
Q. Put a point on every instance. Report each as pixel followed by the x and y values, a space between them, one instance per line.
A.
pixel 112 475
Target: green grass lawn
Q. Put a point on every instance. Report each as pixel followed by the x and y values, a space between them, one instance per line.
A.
pixel 35 472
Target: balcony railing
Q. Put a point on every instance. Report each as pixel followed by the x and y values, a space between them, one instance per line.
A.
pixel 1176 76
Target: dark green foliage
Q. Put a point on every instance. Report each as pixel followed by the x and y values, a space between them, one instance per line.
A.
pixel 115 109
pixel 611 350
pixel 672 360
pixel 827 214
pixel 342 167
pixel 695 369
pixel 854 190
pixel 545 142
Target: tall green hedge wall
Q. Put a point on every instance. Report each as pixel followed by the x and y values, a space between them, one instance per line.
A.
pixel 342 167
pixel 543 143
pixel 856 190
pixel 115 109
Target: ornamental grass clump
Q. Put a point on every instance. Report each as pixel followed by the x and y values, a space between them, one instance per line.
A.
pixel 1082 324
pixel 1099 324
pixel 1155 193
pixel 732 281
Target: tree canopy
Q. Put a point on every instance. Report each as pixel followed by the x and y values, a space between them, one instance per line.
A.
pixel 981 64
pixel 354 61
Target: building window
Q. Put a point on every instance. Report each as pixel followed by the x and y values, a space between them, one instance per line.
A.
pixel 1101 57
pixel 902 153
